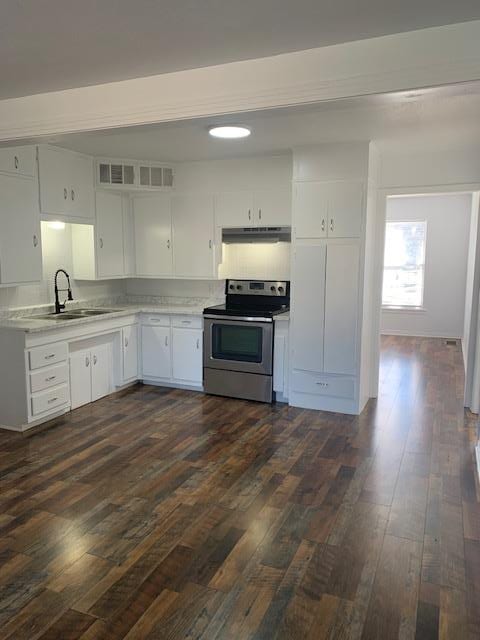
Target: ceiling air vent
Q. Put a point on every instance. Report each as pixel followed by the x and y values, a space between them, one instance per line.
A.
pixel 116 173
pixel 155 176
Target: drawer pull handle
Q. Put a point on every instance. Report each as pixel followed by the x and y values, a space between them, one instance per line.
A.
pixel 94 359
pixel 65 194
pixel 323 224
pixel 322 384
pixel 331 224
pixel 198 343
pixel 52 400
pixel 186 322
pixel 73 195
pixel 50 378
pixel 87 361
pixel 16 162
pixel 126 342
pixel 166 341
pixel 50 356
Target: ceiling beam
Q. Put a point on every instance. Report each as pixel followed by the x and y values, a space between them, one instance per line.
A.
pixel 417 59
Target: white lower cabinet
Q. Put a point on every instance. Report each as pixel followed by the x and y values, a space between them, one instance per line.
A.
pixel 130 353
pixel 156 354
pixel 90 374
pixel 187 355
pixel 80 378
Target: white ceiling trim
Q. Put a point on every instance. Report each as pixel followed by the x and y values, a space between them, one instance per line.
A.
pixel 417 59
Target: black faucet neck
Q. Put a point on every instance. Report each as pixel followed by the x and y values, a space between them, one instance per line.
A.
pixel 58 306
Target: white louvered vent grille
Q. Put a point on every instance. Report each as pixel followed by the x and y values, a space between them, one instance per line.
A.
pixel 118 173
pixel 154 176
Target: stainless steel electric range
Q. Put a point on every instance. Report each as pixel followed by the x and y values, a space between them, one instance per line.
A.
pixel 238 339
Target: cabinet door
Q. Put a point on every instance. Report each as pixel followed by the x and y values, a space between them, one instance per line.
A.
pixel 153 235
pixel 81 181
pixel 55 181
pixel 341 308
pixel 18 160
pixel 273 208
pixel 308 307
pixel 80 378
pixel 130 352
pixel 193 234
pixel 101 371
pixel 187 355
pixel 310 209
pixel 156 359
pixel 20 247
pixel 345 210
pixel 109 232
pixel 234 209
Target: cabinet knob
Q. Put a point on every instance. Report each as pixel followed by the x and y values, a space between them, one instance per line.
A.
pixel 331 224
pixel 323 224
pixel 15 162
pixel 198 343
pixel 259 214
pixel 87 361
pixel 209 244
pixel 101 243
pixel 94 359
pixel 126 342
pixel 168 244
pixel 166 341
pixel 73 195
pixel 65 194
pixel 35 240
pixel 249 214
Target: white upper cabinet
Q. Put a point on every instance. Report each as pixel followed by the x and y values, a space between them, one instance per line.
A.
pixel 265 208
pixel 272 208
pixel 193 236
pixel 345 210
pixel 20 247
pixel 66 183
pixel 310 209
pixel 234 209
pixel 153 235
pixel 109 235
pixel 328 209
pixel 98 250
pixel 18 160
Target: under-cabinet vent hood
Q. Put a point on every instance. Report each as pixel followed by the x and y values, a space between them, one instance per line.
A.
pixel 256 234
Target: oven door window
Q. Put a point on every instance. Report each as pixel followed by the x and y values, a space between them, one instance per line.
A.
pixel 237 342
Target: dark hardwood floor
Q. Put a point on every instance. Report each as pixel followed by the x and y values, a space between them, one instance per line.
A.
pixel 167 514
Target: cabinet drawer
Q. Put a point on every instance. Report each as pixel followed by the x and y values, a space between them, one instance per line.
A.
pixel 156 320
pixel 50 400
pixel 49 354
pixel 187 322
pixel 48 377
pixel 322 384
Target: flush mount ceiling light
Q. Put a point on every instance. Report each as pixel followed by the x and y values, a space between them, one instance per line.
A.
pixel 229 132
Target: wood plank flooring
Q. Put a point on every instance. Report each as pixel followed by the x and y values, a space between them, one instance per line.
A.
pixel 166 514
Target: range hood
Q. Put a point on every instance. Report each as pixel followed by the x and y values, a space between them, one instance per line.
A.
pixel 256 234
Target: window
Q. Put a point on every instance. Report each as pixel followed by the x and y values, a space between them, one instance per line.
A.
pixel 404 264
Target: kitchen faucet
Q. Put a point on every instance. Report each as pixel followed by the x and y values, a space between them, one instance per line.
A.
pixel 58 306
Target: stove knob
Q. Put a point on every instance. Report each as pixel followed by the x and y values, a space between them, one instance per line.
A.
pixel 272 289
pixel 239 287
pixel 231 287
pixel 280 289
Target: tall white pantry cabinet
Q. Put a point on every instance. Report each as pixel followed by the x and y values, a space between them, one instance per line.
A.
pixel 332 266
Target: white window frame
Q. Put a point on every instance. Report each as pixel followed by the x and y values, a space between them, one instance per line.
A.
pixel 408 307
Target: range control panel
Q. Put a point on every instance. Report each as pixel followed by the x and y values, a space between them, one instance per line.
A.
pixel 258 287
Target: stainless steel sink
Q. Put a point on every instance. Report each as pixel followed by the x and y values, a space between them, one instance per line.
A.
pixel 74 314
pixel 55 316
pixel 92 312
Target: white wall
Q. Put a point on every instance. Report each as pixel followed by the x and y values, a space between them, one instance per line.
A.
pixel 57 253
pixel 448 229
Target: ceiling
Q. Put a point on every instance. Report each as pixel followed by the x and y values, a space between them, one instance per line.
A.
pixel 49 45
pixel 408 116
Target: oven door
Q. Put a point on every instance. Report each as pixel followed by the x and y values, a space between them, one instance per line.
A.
pixel 238 345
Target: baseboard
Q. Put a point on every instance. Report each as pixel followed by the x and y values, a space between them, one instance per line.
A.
pixel 172 385
pixel 417 334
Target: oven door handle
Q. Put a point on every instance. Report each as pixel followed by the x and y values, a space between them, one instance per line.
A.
pixel 241 318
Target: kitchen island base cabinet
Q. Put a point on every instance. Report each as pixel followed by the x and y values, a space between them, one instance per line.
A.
pixel 90 375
